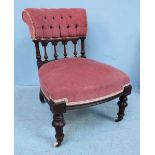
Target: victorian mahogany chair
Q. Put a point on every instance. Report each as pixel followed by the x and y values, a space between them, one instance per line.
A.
pixel 71 83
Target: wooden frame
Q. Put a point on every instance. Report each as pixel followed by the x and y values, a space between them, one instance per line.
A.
pixel 59 108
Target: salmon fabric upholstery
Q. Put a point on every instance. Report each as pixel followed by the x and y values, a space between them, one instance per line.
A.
pixel 55 23
pixel 80 80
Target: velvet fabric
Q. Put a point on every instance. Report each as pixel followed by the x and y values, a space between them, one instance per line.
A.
pixel 80 80
pixel 55 23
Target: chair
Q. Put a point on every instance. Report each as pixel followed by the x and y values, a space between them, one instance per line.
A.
pixel 71 82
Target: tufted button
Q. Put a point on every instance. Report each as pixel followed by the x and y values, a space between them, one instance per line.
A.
pixel 56 23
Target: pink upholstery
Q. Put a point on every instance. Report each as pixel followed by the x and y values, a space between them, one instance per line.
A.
pixel 55 23
pixel 79 80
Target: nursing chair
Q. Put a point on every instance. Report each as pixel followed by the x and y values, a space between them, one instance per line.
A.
pixel 71 82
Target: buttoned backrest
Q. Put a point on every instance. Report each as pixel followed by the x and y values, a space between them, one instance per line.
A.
pixel 51 26
pixel 55 23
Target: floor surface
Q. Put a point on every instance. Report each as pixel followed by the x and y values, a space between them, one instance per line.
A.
pixel 89 131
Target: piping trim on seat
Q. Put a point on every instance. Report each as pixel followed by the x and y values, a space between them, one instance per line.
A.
pixel 86 101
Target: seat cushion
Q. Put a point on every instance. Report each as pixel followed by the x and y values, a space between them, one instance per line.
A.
pixel 80 80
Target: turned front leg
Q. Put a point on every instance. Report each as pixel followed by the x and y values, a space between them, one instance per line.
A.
pixel 122 103
pixel 58 123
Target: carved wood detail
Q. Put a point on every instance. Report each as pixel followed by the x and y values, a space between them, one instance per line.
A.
pixel 64 42
pixel 83 48
pixel 44 44
pixel 54 42
pixel 59 108
pixel 58 123
pixel 75 43
pixel 38 56
pixel 122 103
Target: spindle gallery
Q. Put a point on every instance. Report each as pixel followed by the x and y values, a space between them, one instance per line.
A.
pixel 54 43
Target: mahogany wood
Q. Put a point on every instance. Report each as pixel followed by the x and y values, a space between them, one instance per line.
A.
pixel 58 123
pixel 41 97
pixel 44 44
pixel 122 103
pixel 83 48
pixel 58 109
pixel 75 42
pixel 38 56
pixel 65 52
pixel 55 50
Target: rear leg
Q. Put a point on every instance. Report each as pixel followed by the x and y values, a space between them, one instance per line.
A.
pixel 41 97
pixel 122 103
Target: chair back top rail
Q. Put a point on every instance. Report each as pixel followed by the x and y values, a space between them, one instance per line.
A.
pixel 55 23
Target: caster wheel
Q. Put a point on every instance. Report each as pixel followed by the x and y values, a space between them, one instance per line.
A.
pixel 118 119
pixel 56 144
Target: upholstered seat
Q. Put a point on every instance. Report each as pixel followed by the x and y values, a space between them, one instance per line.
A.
pixel 79 80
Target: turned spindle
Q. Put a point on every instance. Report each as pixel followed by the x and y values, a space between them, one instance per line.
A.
pixel 44 44
pixel 54 43
pixel 38 55
pixel 75 42
pixel 83 48
pixel 64 42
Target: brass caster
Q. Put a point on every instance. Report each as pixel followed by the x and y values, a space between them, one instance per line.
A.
pixel 56 144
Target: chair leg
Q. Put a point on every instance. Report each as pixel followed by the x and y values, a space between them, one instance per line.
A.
pixel 41 97
pixel 122 103
pixel 58 123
